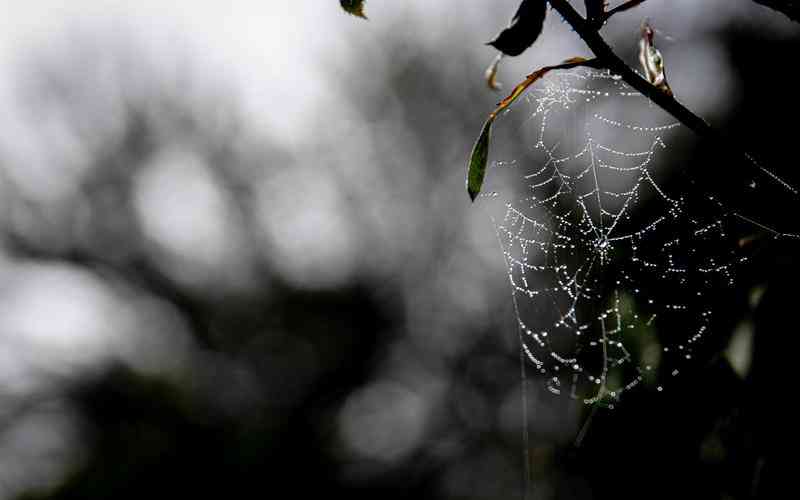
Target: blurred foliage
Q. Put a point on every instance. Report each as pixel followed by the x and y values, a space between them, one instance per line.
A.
pixel 254 402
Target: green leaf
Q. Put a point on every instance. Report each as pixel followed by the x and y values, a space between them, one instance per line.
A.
pixel 476 171
pixel 354 7
pixel 605 400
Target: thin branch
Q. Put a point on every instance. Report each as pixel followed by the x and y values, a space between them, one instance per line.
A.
pixel 610 60
pixel 622 8
pixel 789 8
pixel 599 20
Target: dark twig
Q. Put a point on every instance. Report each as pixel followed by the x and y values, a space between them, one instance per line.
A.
pixel 589 33
pixel 789 8
pixel 621 8
pixel 612 62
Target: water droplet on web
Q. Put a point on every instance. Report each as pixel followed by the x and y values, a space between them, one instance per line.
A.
pixel 554 385
pixel 584 192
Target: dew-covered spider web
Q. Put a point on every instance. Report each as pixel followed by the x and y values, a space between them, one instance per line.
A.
pixel 617 259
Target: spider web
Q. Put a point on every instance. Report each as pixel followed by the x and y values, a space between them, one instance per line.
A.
pixel 615 262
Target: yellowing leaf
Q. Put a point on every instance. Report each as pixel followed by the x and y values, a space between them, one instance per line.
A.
pixel 491 73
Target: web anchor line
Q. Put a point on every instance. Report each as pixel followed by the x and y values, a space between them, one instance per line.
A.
pixel 523 353
pixel 771 174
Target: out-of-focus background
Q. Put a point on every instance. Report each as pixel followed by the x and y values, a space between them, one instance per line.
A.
pixel 237 258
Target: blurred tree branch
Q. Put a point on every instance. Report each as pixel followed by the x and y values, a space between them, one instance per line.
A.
pixel 790 8
pixel 137 271
pixel 599 17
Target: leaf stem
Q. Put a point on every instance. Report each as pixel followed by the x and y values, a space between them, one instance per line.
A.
pixel 619 8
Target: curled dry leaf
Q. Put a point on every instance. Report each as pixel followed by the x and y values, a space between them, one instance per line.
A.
pixel 491 73
pixel 651 60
